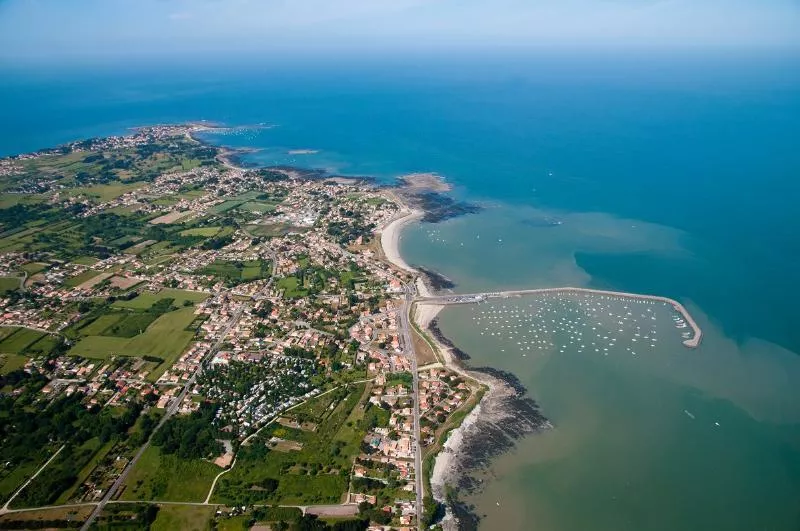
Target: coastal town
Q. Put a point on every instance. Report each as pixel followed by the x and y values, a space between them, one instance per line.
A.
pixel 237 342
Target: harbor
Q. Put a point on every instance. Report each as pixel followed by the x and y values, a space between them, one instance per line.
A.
pixel 684 320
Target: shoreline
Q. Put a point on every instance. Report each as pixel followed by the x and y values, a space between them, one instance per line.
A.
pixel 503 414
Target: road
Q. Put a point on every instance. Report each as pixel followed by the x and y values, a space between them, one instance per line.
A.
pixel 408 349
pixel 170 411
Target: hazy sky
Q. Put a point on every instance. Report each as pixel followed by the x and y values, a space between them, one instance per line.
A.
pixel 111 28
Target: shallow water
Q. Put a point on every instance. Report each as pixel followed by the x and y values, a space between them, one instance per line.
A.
pixel 648 434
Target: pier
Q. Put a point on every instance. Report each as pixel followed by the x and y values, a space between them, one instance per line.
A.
pixel 472 298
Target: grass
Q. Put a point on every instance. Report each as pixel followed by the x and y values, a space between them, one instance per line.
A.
pixel 96 327
pixel 9 283
pixel 269 230
pixel 225 206
pixel 291 287
pixel 183 517
pixel 106 192
pixel 161 477
pixel 201 231
pixel 236 523
pixel 85 260
pixel 234 272
pixel 259 206
pixel 34 267
pixel 80 278
pixel 44 346
pixel 165 338
pixel 11 362
pixel 146 299
pixel 20 340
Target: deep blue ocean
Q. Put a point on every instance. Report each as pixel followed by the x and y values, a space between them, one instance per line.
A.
pixel 703 150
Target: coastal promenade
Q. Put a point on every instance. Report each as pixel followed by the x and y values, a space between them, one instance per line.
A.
pixel 471 298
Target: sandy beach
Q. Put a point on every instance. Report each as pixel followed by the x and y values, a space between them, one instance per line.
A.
pixel 390 236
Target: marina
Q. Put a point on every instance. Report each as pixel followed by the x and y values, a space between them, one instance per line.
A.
pixel 683 319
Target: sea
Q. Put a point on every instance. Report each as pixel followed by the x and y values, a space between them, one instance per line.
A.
pixel 674 174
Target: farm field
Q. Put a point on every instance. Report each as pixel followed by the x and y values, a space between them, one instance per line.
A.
pixel 9 283
pixel 183 517
pixel 235 272
pixel 80 278
pixel 201 231
pixel 11 362
pixel 166 338
pixel 146 299
pixel 18 341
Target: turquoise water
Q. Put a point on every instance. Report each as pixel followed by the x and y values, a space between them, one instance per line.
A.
pixel 670 175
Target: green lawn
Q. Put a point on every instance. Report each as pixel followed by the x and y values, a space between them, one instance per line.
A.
pixel 19 340
pixel 9 283
pixel 183 517
pixel 146 299
pixel 168 478
pixel 165 338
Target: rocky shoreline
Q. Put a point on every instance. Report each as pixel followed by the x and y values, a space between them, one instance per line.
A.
pixel 504 415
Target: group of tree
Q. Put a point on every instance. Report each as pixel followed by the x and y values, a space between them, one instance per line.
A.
pixel 190 436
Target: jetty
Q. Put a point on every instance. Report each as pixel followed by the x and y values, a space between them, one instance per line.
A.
pixel 472 298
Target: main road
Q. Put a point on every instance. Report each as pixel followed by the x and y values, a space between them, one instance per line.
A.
pixel 173 408
pixel 408 348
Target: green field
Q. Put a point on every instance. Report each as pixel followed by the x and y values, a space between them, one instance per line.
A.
pixel 319 473
pixel 85 260
pixel 201 231
pixel 106 192
pixel 20 340
pixel 183 517
pixel 235 272
pixel 146 299
pixel 259 206
pixel 9 283
pixel 11 362
pixel 80 278
pixel 165 338
pixel 225 206
pixel 34 267
pixel 157 476
pixel 96 327
pixel 291 287
pixel 44 346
